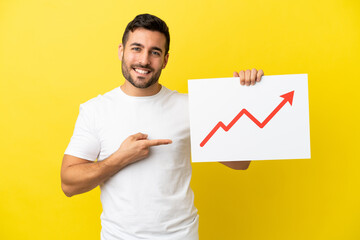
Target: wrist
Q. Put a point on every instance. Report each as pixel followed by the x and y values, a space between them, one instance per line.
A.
pixel 117 160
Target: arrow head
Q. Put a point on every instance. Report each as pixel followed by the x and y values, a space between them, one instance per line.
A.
pixel 288 97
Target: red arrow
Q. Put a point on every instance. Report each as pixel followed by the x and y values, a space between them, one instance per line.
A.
pixel 288 97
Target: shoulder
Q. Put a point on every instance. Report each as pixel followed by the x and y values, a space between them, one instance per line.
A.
pixel 176 103
pixel 99 102
pixel 174 95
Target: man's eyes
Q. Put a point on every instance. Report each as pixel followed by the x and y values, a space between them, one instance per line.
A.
pixel 138 49
pixel 155 53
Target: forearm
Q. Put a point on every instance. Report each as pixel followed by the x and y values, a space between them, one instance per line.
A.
pixel 82 177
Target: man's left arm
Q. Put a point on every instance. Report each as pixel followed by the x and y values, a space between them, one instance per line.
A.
pixel 248 77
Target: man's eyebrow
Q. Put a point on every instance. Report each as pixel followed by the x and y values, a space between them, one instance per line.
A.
pixel 136 44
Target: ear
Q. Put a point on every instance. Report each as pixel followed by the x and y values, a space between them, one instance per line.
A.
pixel 121 51
pixel 166 58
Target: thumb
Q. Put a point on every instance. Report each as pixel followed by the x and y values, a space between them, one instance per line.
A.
pixel 236 74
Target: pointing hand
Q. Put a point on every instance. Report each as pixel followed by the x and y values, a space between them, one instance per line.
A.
pixel 137 146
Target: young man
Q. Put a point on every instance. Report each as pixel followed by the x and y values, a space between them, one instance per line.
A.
pixel 139 132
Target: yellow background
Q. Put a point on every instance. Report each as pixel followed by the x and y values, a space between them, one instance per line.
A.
pixel 55 55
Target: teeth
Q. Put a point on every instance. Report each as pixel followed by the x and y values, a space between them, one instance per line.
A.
pixel 141 71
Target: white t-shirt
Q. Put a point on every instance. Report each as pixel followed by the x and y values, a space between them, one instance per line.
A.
pixel 152 198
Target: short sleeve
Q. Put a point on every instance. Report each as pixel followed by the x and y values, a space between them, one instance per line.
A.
pixel 84 142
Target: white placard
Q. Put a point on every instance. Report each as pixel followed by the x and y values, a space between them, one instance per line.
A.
pixel 231 122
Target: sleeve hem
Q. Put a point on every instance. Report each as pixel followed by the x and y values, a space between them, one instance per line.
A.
pixel 81 155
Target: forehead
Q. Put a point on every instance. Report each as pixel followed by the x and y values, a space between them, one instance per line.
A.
pixel 147 38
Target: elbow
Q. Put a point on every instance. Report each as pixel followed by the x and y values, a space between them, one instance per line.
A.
pixel 241 167
pixel 237 165
pixel 68 194
pixel 66 190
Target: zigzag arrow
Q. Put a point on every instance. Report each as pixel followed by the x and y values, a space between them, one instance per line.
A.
pixel 288 97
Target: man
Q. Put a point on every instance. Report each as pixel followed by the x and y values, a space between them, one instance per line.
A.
pixel 139 132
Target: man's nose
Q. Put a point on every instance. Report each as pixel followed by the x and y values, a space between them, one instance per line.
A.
pixel 144 59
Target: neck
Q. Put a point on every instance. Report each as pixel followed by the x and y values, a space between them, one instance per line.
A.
pixel 130 90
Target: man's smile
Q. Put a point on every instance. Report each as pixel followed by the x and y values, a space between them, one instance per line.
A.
pixel 142 71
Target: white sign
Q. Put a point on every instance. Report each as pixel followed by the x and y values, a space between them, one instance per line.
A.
pixel 231 122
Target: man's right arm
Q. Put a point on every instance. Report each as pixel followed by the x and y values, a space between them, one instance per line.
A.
pixel 80 175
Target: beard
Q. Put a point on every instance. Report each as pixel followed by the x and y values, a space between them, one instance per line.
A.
pixel 139 84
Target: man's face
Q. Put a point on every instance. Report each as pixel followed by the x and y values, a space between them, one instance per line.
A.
pixel 143 57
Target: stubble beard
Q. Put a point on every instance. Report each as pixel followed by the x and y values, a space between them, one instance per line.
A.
pixel 140 84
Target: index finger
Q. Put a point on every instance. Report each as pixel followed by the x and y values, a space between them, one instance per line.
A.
pixel 156 142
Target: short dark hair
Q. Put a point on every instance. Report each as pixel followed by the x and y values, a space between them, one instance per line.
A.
pixel 149 22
